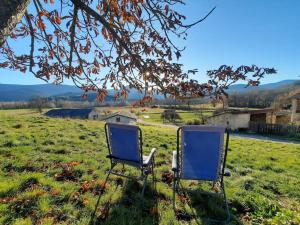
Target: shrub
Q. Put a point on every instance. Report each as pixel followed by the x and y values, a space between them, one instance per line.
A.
pixel 197 122
pixel 193 122
pixel 189 122
pixel 170 115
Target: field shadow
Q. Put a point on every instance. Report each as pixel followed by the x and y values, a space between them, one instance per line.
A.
pixel 204 206
pixel 130 208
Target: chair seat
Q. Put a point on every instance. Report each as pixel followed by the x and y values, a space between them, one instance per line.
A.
pixel 147 159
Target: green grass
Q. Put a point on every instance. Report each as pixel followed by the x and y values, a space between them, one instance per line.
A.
pixel 52 171
pixel 186 116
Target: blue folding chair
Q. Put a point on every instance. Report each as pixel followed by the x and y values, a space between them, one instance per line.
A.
pixel 125 147
pixel 201 155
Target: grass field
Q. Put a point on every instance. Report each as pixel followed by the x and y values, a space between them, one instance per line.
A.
pixel 52 171
pixel 153 115
pixel 186 116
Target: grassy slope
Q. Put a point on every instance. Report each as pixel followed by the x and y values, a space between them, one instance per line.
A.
pixel 38 186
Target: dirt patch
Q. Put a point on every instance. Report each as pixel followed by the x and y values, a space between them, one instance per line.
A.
pixel 167 177
pixel 69 173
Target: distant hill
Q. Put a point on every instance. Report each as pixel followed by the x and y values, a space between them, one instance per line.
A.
pixel 241 88
pixel 14 92
pixel 77 97
pixel 261 96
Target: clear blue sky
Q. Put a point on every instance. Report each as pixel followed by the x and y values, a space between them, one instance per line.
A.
pixel 261 32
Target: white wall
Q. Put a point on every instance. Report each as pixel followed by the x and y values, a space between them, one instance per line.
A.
pixel 96 114
pixel 236 121
pixel 123 119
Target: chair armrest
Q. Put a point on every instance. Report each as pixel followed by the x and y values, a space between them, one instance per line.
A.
pixel 174 161
pixel 151 156
pixel 227 173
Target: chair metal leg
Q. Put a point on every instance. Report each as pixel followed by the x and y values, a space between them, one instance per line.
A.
pixel 226 203
pixel 174 190
pixel 144 185
pixel 226 221
pixel 92 220
pixel 153 175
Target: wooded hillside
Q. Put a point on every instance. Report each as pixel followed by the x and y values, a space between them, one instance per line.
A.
pixel 260 98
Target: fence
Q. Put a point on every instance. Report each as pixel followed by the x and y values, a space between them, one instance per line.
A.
pixel 277 129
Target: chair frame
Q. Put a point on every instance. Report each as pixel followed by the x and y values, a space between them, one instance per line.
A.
pixel 176 169
pixel 145 169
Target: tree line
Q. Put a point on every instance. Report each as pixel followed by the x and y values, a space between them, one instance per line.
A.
pixel 262 98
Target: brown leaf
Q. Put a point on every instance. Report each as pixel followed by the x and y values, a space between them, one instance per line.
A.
pixel 167 177
pixel 43 13
pixel 85 186
pixel 153 211
pixel 167 9
pixel 57 19
pixel 7 199
pixel 104 33
pixel 96 63
pixel 55 192
pixel 40 24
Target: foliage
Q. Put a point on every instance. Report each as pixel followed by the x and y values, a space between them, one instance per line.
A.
pixel 278 97
pixel 155 116
pixel 194 122
pixel 170 115
pixel 122 43
pixel 38 103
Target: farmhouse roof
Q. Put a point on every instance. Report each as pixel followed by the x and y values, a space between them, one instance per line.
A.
pixel 73 113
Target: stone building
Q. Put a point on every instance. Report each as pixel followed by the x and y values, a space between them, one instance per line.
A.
pixel 92 114
pixel 288 107
pixel 295 110
pixel 240 119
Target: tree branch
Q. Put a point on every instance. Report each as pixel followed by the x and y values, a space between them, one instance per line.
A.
pixel 103 21
pixel 199 21
pixel 72 30
pixel 32 41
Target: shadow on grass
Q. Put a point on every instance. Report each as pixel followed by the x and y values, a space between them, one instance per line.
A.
pixel 206 207
pixel 132 208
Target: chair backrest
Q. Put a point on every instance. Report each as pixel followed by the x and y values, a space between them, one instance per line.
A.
pixel 123 141
pixel 201 152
